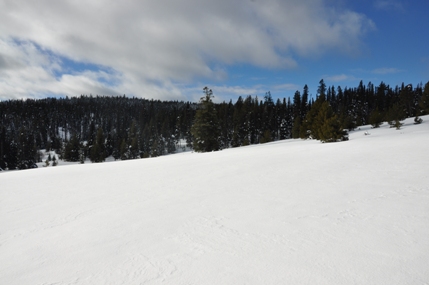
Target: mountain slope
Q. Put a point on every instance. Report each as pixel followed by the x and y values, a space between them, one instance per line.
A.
pixel 288 212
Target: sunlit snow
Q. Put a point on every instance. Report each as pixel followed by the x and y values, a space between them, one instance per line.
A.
pixel 288 212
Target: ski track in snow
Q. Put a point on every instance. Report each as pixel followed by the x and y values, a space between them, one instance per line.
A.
pixel 288 212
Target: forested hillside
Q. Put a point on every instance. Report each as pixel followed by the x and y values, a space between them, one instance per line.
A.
pixel 126 128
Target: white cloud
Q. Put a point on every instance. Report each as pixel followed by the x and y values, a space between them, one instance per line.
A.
pixel 286 87
pixel 151 48
pixel 339 78
pixel 388 5
pixel 26 71
pixel 386 70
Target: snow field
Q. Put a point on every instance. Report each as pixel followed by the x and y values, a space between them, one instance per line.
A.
pixel 287 212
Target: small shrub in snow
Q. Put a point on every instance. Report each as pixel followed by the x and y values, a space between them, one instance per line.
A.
pixel 417 120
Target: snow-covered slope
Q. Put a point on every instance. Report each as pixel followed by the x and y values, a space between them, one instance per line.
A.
pixel 288 212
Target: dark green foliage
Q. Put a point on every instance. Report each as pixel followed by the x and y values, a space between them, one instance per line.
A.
pixel 376 119
pixel 395 115
pixel 27 150
pixel 123 150
pixel 328 127
pixel 332 131
pixel 267 137
pixel 321 90
pixel 98 149
pixel 321 123
pixel 312 122
pixel 424 101
pixel 205 129
pixel 132 142
pixel 347 122
pixel 296 128
pixel 134 127
pixel 72 149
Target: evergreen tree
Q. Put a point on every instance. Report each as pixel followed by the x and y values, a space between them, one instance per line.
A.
pixel 296 128
pixel 54 161
pixel 27 154
pixel 98 150
pixel 311 124
pixel 321 91
pixel 424 101
pixel 133 151
pixel 321 123
pixel 205 129
pixel 72 148
pixel 109 145
pixel 330 129
pixel 266 137
pixel 81 156
pixel 123 150
pixel 69 125
pixel 155 148
pixel 240 120
pixel 376 119
pixel 395 115
pixel 11 156
pixel 304 102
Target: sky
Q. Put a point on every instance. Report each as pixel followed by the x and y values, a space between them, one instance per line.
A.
pixel 171 50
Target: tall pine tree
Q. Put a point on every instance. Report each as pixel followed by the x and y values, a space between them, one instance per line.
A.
pixel 205 130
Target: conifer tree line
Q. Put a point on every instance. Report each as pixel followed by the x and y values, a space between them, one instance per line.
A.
pixel 97 127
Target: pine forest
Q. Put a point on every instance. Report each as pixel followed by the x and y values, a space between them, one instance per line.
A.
pixel 97 127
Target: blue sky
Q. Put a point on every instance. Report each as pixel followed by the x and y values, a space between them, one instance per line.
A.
pixel 170 49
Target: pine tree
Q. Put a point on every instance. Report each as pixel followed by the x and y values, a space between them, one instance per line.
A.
pixel 322 124
pixel 54 161
pixel 123 150
pixel 330 129
pixel 296 127
pixel 395 115
pixel 424 101
pixel 81 156
pixel 98 150
pixel 133 150
pixel 311 124
pixel 376 119
pixel 266 137
pixel 205 130
pixel 72 148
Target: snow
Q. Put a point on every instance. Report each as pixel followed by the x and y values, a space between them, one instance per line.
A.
pixel 287 212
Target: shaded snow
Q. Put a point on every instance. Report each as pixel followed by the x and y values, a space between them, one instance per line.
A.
pixel 288 212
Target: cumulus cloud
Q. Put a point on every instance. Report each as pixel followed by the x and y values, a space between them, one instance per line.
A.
pixel 151 48
pixel 27 71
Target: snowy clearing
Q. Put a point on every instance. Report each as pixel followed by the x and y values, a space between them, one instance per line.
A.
pixel 288 212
